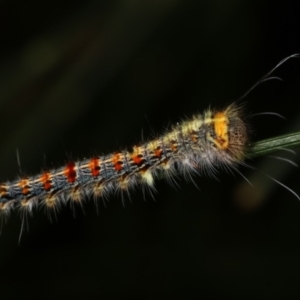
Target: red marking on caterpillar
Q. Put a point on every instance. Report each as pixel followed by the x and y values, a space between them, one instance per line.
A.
pixel 117 161
pixel 94 167
pixel 70 172
pixel 46 180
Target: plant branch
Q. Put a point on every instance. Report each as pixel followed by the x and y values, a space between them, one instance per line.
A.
pixel 274 144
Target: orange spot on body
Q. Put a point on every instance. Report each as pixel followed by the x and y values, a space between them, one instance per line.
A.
pixel 174 146
pixel 221 130
pixel 136 156
pixel 25 191
pixel 94 166
pixel 46 180
pixel 3 191
pixel 194 138
pixel 137 159
pixel 24 185
pixel 157 152
pixel 70 172
pixel 117 162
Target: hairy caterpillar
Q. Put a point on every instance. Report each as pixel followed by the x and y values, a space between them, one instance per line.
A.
pixel 216 138
pixel 205 142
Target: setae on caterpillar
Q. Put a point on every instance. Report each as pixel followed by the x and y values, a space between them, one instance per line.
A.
pixel 206 142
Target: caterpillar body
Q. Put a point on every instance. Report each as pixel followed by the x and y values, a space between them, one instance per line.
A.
pixel 217 138
pixel 201 144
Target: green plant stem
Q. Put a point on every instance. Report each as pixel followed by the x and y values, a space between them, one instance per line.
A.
pixel 271 145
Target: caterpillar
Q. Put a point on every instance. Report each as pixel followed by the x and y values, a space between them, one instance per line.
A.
pixel 217 138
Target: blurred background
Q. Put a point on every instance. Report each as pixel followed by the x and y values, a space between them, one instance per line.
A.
pixel 79 78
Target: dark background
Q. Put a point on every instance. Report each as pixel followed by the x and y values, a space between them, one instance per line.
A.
pixel 84 77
